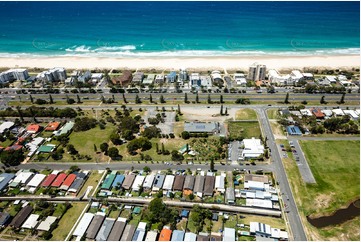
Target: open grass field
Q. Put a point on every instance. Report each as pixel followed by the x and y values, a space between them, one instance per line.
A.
pixel 247 129
pixel 93 181
pixel 68 221
pixel 246 114
pixel 272 113
pixel 335 165
pixel 169 144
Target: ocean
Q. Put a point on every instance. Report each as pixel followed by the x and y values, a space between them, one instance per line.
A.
pixel 145 29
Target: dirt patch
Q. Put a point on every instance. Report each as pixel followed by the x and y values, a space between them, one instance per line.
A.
pixel 323 200
pixel 206 114
pixel 277 130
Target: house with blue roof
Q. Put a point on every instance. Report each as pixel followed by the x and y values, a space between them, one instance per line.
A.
pixel 177 235
pixel 118 181
pixel 172 77
pixel 184 213
pixel 5 178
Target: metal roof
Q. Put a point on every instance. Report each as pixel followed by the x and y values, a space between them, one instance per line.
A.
pixel 105 229
pixel 5 178
pixel 83 224
pixel 128 181
pixel 128 233
pixel 178 183
pixel 177 235
pixel 138 182
pixel 36 180
pixel 108 181
pixel 229 234
pixel 118 181
pixel 200 127
pixel 117 230
pixel 21 216
pixel 199 184
pixel 76 185
pixel 159 180
pixel 189 182
pixel 45 225
pixel 168 182
pixel 209 185
pixel 94 226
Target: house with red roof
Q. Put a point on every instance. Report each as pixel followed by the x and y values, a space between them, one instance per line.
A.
pixel 48 180
pixel 59 180
pixel 33 128
pixel 52 126
pixel 317 113
pixel 165 235
pixel 68 181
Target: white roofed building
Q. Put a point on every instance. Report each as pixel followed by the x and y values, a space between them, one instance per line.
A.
pixel 296 76
pixel 45 225
pixel 281 80
pixel 148 182
pixel 35 182
pixel 240 79
pixel 252 148
pixel 31 222
pixel 338 112
pixel 138 182
pixel 168 183
pixel 83 224
pixel 353 115
pixel 306 112
pixel 219 184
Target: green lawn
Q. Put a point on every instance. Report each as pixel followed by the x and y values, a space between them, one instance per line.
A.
pixel 6 143
pixel 114 214
pixel 246 129
pixel 231 222
pixel 335 165
pixel 84 141
pixel 246 114
pixel 336 168
pixel 68 221
pixel 191 225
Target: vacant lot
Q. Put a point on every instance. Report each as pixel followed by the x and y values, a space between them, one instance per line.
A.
pixel 246 114
pixel 336 168
pixel 93 181
pixel 272 113
pixel 68 221
pixel 246 130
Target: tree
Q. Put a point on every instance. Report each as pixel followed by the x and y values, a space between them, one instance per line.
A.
pixel 140 143
pixel 113 153
pixel 197 98
pixel 12 157
pixel 226 112
pixel 124 100
pixel 343 98
pixel 31 99
pixel 221 111
pixel 304 102
pixel 157 147
pixel 161 99
pixel 212 165
pixel 221 98
pixel 179 110
pixel 209 100
pixel 74 169
pixel 51 101
pixel 286 98
pixel 78 98
pixel 146 169
pixel 163 150
pixel 115 138
pixel 151 132
pixel 71 149
pixel 137 99
pixel 104 147
pixel 95 148
pixel 150 98
pixel 185 135
pixel 185 98
pixel 322 101
pixel 176 156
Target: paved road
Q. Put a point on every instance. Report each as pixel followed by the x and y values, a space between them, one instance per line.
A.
pixel 293 216
pixel 302 164
pixel 323 138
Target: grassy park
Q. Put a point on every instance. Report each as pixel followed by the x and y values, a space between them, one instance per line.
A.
pixel 335 166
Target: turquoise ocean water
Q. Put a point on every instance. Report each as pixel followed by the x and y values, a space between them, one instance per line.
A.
pixel 120 29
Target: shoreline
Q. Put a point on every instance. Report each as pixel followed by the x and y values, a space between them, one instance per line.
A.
pixel 175 63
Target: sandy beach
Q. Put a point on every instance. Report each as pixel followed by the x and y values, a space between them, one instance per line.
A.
pixel 169 63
